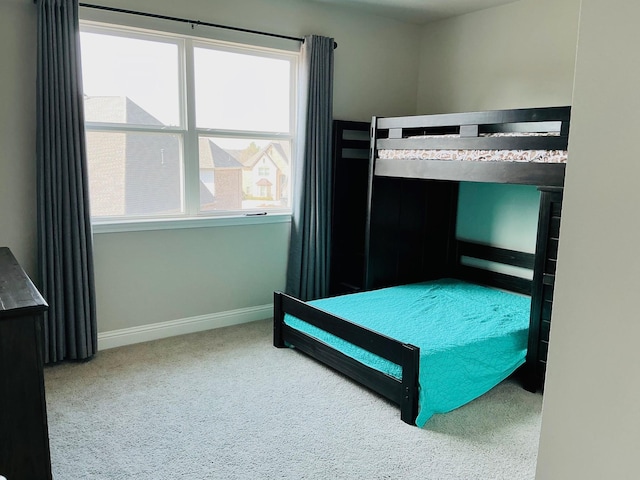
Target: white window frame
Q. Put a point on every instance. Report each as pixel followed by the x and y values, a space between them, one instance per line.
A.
pixel 192 217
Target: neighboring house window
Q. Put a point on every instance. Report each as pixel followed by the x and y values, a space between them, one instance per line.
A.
pixel 175 125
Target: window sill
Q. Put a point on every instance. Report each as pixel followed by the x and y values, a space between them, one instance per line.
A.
pixel 182 223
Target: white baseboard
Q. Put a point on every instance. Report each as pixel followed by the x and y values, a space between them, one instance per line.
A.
pixel 155 331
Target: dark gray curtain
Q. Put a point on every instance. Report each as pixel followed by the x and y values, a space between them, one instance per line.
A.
pixel 64 228
pixel 308 266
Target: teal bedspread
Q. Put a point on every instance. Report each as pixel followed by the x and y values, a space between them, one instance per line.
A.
pixel 470 337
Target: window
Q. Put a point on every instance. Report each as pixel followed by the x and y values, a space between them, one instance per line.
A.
pixel 180 127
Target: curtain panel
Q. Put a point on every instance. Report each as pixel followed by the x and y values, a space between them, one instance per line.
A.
pixel 308 265
pixel 64 229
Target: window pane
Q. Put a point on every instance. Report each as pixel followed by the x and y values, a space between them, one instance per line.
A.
pixel 129 80
pixel 244 174
pixel 136 83
pixel 241 92
pixel 134 174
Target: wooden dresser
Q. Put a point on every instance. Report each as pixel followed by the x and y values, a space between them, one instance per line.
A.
pixel 24 438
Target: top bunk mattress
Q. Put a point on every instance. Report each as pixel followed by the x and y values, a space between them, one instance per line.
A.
pixel 470 337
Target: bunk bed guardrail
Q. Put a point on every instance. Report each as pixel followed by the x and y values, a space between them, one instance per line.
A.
pixel 543 129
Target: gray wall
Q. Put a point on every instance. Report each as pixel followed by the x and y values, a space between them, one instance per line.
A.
pixel 18 129
pixel 591 413
pixel 514 56
pixel 154 276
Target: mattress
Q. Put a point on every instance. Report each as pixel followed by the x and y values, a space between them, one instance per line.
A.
pixel 538 156
pixel 470 337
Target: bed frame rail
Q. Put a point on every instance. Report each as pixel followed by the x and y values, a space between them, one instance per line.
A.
pixel 403 392
pixel 497 255
pixel 520 173
pixel 476 143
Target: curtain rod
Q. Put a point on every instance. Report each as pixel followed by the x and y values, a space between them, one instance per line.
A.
pixel 194 22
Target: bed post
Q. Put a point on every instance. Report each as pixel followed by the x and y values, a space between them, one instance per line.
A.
pixel 278 319
pixel 368 276
pixel 410 371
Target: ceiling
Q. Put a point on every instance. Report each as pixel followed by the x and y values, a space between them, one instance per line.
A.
pixel 418 11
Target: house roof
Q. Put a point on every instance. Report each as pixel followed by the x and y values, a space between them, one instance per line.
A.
pixel 263 182
pixel 212 156
pixel 277 152
pixel 112 109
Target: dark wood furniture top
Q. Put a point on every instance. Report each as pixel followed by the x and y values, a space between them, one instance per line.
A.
pixel 18 295
pixel 24 439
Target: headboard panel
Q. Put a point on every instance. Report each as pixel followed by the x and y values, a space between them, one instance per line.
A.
pixel 498 255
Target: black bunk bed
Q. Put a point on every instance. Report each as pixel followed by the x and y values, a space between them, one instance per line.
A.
pixel 414 174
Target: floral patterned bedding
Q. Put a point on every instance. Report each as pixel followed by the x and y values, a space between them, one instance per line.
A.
pixel 540 156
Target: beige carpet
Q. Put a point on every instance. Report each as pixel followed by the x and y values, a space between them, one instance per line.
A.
pixel 225 404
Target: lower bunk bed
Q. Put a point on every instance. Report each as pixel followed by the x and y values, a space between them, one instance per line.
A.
pixel 429 347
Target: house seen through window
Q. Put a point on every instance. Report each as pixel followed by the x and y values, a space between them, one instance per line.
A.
pixel 180 126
